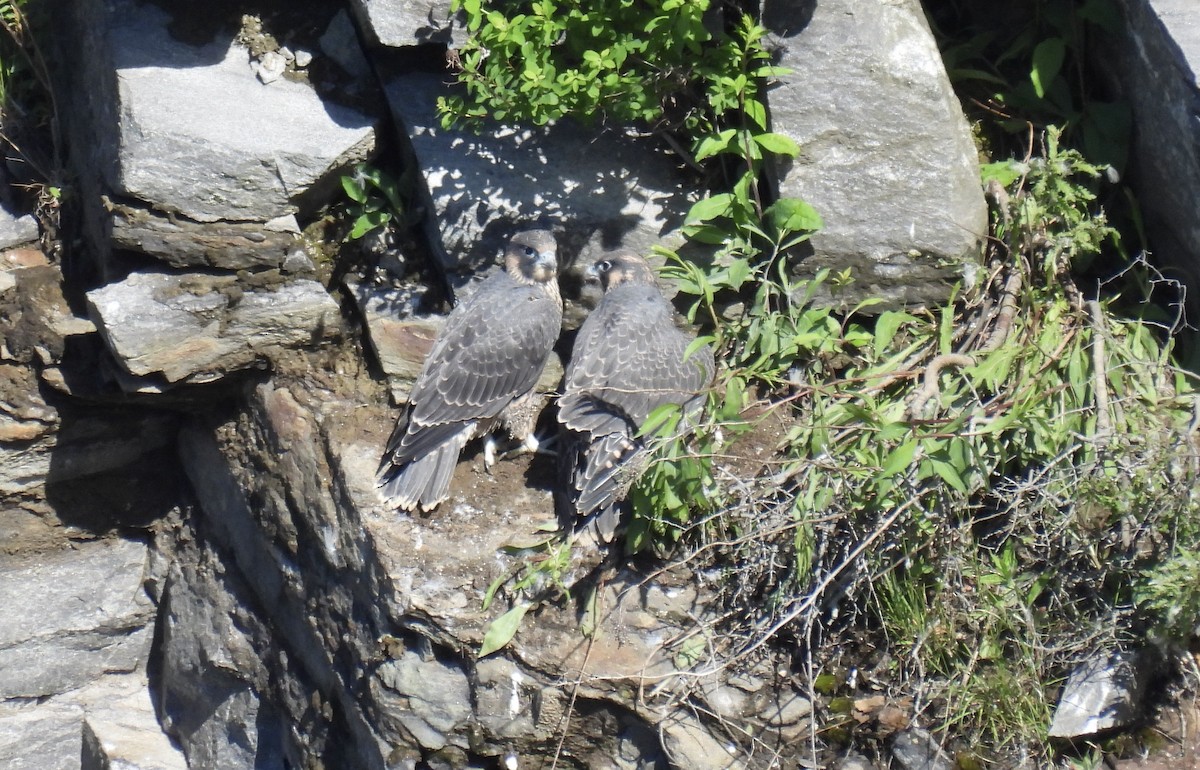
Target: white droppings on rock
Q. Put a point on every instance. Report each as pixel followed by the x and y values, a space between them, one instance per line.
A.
pixel 514 700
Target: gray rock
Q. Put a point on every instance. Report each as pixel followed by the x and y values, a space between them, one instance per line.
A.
pixel 200 327
pixel 68 617
pixel 886 156
pixel 297 262
pixel 853 762
pixel 916 749
pixel 785 708
pixel 340 43
pixel 40 737
pixel 1101 694
pixel 270 67
pixel 1153 62
pixel 601 190
pixel 190 130
pixel 201 137
pixel 16 230
pixel 395 23
pixel 508 702
pixel 428 699
pixel 183 243
pixel 120 729
pixel 383 610
pixel 689 744
pixel 212 667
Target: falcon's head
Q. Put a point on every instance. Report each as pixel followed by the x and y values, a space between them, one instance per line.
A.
pixel 530 257
pixel 620 267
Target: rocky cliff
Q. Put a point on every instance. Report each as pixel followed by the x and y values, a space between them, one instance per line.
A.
pixel 196 569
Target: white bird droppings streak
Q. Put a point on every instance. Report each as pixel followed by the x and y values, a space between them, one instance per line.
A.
pixel 514 700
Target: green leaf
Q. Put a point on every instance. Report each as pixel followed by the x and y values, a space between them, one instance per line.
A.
pixel 591 613
pixel 1005 172
pixel 710 208
pixel 1047 62
pixel 949 474
pixel 739 271
pixel 756 112
pixel 790 215
pixel 886 326
pixel 354 191
pixel 899 459
pixel 490 594
pixel 711 145
pixel 778 144
pixel 695 345
pixel 368 222
pixel 690 652
pixel 501 630
pixel 662 420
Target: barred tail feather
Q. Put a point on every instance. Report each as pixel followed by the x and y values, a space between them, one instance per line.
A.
pixel 594 478
pixel 424 482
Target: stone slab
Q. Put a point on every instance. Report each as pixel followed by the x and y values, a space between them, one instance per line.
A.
pixel 67 617
pixel 1153 62
pixel 201 327
pixel 398 23
pixel 202 136
pixel 40 737
pixel 886 155
pixel 597 190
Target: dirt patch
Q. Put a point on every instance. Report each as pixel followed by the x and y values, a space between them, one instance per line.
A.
pixel 1172 742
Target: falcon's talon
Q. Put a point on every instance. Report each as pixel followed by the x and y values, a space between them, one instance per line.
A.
pixel 532 445
pixel 489 454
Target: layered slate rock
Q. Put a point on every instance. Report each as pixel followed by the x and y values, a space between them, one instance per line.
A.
pixel 1154 63
pixel 75 635
pixel 45 737
pixel 198 327
pixel 191 131
pixel 120 727
pixel 886 156
pixel 383 612
pixel 69 617
pixel 600 189
pixel 216 659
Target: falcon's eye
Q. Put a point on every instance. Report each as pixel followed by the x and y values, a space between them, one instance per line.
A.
pixel 603 266
pixel 530 251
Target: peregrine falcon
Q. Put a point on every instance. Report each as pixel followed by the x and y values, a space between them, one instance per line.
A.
pixel 628 360
pixel 480 373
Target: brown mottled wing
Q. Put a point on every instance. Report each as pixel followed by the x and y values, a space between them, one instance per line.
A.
pixel 628 361
pixel 492 349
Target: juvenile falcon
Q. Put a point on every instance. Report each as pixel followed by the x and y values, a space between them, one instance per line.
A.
pixel 479 374
pixel 628 360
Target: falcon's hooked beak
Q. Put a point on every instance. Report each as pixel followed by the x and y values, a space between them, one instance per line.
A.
pixel 545 266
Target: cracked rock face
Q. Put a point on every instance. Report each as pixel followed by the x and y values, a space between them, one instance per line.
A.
pixel 89 615
pixel 200 135
pixel 198 327
pixel 220 402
